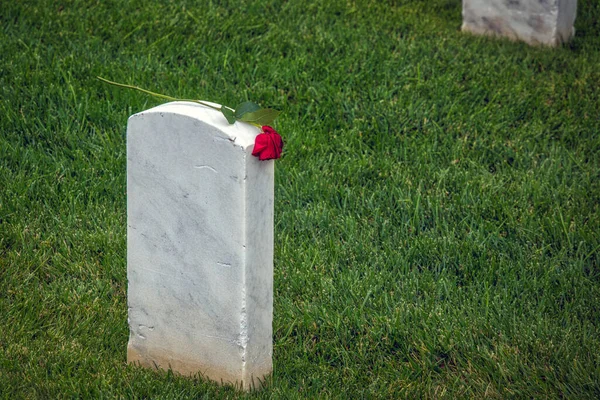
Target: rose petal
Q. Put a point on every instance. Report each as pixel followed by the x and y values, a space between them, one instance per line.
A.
pixel 268 130
pixel 268 145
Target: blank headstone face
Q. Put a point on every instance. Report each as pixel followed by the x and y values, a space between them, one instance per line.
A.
pixel 200 245
pixel 547 22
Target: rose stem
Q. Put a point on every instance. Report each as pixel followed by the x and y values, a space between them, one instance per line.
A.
pixel 162 96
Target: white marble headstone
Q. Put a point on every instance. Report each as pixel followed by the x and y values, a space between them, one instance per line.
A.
pixel 547 22
pixel 199 245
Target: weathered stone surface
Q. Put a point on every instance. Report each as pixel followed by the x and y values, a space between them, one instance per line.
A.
pixel 548 22
pixel 199 245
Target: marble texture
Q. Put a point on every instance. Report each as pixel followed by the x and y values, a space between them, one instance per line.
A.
pixel 548 22
pixel 199 245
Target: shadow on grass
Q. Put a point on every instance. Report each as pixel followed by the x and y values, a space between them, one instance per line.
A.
pixel 448 11
pixel 587 25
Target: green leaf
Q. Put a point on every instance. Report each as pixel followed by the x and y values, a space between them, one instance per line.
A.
pixel 244 108
pixel 229 114
pixel 264 116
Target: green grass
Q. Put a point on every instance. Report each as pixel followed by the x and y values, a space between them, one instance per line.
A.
pixel 437 206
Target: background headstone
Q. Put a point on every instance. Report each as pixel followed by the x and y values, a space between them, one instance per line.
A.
pixel 547 22
pixel 199 245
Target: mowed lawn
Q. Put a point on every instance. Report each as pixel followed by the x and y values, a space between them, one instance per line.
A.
pixel 437 222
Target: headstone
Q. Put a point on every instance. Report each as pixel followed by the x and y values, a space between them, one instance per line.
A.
pixel 548 22
pixel 199 245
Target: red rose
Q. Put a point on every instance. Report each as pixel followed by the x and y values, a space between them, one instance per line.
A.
pixel 268 144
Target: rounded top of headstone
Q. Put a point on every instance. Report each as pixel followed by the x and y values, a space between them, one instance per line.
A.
pixel 239 133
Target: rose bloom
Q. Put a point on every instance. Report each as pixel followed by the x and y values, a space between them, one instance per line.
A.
pixel 268 144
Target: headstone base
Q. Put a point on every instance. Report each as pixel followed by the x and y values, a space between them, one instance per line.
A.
pixel 192 367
